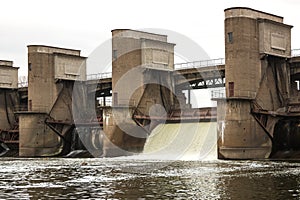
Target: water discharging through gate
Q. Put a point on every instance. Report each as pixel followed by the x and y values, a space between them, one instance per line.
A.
pixel 182 141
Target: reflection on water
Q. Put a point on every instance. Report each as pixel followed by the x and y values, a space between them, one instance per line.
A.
pixel 133 179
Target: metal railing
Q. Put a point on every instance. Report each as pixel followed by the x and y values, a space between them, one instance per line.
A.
pixel 221 93
pixel 201 63
pixel 99 76
pixel 107 102
pixel 218 94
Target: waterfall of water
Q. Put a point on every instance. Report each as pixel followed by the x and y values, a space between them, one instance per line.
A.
pixel 182 141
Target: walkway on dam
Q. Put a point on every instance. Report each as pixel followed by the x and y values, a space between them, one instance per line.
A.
pixel 199 74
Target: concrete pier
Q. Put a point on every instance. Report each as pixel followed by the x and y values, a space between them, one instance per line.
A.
pixel 46 128
pixel 141 61
pixel 258 48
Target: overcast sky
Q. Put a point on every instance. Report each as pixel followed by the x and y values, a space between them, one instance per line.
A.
pixel 86 24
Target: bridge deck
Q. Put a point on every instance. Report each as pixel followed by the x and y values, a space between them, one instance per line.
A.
pixel 191 75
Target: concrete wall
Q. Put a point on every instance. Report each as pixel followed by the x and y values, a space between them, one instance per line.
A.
pixel 8 75
pixel 121 141
pixel 242 56
pixel 69 67
pixel 239 135
pixel 42 91
pixel 128 52
pixel 8 94
pixel 36 139
pixel 157 55
pixel 44 68
pixel 274 38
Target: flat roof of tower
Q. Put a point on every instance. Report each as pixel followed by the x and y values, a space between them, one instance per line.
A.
pixel 247 8
pixel 7 63
pixel 48 46
pixel 53 49
pixel 120 29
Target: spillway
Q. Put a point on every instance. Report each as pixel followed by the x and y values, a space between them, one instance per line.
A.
pixel 182 141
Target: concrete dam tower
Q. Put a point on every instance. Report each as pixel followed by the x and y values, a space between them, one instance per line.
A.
pixel 142 85
pixel 47 126
pixel 150 114
pixel 258 49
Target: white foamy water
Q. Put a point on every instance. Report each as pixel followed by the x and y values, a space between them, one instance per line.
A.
pixel 182 141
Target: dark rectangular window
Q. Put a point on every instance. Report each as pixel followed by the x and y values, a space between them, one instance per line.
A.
pixel 29 105
pixel 115 98
pixel 115 54
pixel 231 89
pixel 230 37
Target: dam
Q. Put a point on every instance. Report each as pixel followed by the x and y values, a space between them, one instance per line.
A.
pixel 146 99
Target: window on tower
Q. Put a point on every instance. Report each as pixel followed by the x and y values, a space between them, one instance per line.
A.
pixel 230 37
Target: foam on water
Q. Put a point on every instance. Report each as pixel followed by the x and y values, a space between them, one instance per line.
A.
pixel 182 141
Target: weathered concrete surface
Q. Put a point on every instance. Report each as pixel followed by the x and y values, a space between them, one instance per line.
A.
pixel 45 130
pixel 8 75
pixel 142 63
pixel 9 103
pixel 239 135
pixel 257 47
pixel 36 139
pixel 8 94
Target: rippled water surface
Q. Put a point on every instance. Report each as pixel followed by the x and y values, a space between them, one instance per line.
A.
pixel 145 179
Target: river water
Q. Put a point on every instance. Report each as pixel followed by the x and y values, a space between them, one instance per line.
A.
pixel 130 178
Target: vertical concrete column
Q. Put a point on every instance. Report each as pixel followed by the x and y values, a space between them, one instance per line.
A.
pixel 247 42
pixel 51 75
pixel 141 64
